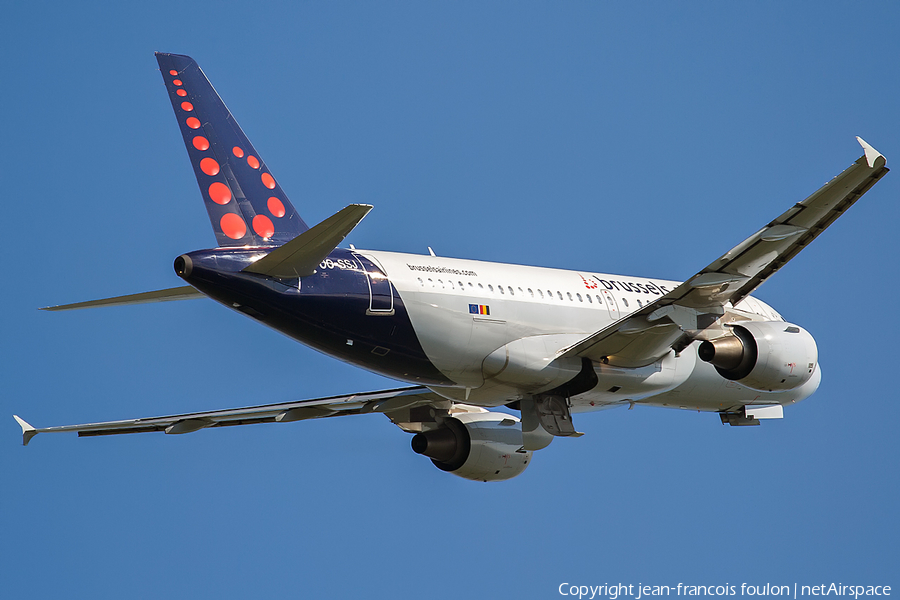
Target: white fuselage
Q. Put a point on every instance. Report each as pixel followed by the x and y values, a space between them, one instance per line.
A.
pixel 463 311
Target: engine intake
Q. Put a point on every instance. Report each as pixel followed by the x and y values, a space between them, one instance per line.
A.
pixel 767 356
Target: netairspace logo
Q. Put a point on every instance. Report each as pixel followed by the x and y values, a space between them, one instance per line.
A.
pixel 639 591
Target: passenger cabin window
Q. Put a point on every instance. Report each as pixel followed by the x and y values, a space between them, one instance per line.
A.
pixel 625 302
pixel 579 297
pixel 558 293
pixel 588 296
pixel 531 292
pixel 480 287
pixel 569 294
pixel 599 300
pixel 500 287
pixel 541 294
pixel 461 285
pixel 421 282
pixel 490 288
pixel 511 292
pixel 430 282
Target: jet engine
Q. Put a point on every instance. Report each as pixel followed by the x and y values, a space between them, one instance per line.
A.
pixel 484 446
pixel 767 356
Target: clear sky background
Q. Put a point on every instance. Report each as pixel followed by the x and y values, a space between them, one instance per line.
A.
pixel 634 138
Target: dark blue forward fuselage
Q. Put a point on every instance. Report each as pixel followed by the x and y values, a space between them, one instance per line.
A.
pixel 353 314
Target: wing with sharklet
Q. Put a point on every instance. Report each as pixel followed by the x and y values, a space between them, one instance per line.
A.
pixel 684 314
pixel 397 404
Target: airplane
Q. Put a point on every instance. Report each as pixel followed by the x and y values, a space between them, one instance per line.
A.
pixel 472 338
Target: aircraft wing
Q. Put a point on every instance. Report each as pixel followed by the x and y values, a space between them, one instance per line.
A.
pixel 680 316
pixel 398 404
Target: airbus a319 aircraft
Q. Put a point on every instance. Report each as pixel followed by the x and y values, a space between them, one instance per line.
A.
pixel 477 336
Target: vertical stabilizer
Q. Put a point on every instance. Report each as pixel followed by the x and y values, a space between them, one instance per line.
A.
pixel 246 206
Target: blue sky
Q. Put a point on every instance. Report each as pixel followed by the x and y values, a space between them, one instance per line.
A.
pixel 600 136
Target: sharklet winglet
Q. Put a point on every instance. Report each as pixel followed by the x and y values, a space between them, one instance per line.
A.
pixel 872 154
pixel 28 431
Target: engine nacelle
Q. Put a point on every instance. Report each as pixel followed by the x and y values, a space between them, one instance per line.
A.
pixel 484 446
pixel 767 356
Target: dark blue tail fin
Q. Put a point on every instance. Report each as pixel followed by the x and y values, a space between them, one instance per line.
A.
pixel 246 205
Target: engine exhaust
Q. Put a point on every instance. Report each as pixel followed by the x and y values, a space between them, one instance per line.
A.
pixel 725 352
pixel 439 444
pixel 447 446
pixel 733 356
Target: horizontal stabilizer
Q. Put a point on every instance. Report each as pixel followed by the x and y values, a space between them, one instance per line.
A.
pixel 300 256
pixel 185 292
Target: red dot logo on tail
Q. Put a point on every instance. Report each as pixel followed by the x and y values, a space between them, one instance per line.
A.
pixel 219 193
pixel 276 207
pixel 233 226
pixel 209 166
pixel 232 178
pixel 263 226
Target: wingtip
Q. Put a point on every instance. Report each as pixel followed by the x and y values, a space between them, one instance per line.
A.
pixel 28 431
pixel 872 155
